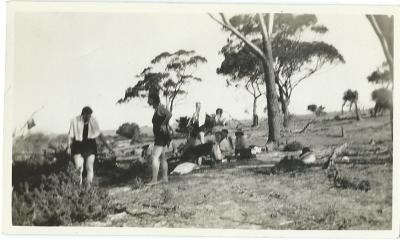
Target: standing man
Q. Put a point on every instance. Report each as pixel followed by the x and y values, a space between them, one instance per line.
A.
pixel 83 131
pixel 198 120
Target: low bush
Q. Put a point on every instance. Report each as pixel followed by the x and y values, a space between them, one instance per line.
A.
pixel 49 194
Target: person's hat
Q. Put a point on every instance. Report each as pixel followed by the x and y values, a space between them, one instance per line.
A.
pixel 304 151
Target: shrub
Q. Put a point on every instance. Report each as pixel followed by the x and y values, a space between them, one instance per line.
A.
pixel 289 164
pixel 130 131
pixel 50 195
pixel 312 108
pixel 32 143
pixel 293 146
pixel 317 110
pixel 383 100
pixel 320 111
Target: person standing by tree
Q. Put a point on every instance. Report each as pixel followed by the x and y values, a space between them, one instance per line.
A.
pixel 162 137
pixel 83 131
pixel 198 120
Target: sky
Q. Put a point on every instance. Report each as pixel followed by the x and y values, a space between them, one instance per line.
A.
pixel 65 61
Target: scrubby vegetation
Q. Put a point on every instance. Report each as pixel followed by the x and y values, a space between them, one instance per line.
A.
pixel 48 194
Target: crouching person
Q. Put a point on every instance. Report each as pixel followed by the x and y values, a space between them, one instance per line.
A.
pixel 242 150
pixel 83 131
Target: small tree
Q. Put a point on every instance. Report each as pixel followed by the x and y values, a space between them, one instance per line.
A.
pixel 167 74
pixel 243 70
pixel 381 76
pixel 130 131
pixel 351 97
pixel 312 108
pixel 317 110
pixel 320 111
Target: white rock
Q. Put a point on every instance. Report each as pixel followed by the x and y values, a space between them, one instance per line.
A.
pixel 116 217
pixel 185 168
pixel 345 159
pixel 308 158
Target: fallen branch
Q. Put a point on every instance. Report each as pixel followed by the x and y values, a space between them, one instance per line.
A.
pixel 304 128
pixel 334 155
pixel 136 213
pixel 167 208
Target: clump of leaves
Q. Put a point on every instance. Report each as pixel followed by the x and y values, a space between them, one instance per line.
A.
pixel 287 165
pixel 290 164
pixel 293 146
pixel 342 182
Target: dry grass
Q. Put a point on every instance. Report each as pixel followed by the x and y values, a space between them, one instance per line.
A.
pixel 231 197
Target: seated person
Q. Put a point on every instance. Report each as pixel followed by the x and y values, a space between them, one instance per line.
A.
pixel 225 143
pixel 241 148
pixel 194 151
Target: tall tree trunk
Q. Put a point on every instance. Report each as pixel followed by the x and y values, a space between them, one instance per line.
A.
pixel 391 121
pixel 357 113
pixel 383 41
pixel 265 57
pixel 388 54
pixel 255 116
pixel 171 106
pixel 286 114
pixel 274 124
pixel 344 103
pixel 284 106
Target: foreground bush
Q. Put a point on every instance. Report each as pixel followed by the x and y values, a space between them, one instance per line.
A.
pixel 57 199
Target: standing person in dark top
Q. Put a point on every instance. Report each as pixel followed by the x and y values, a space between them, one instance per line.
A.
pixel 162 138
pixel 83 131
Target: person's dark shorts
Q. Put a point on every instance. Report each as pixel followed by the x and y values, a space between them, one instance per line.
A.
pixel 85 148
pixel 162 139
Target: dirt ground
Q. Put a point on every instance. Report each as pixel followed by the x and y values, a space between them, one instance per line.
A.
pixel 243 195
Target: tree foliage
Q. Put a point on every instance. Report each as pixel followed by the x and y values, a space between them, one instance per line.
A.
pixel 317 110
pixel 167 74
pixel 294 59
pixel 349 96
pixel 381 76
pixel 383 100
pixel 264 55
pixel 312 107
pixel 383 28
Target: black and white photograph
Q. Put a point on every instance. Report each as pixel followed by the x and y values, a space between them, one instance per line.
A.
pixel 230 117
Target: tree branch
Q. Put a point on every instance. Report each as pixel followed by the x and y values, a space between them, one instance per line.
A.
pixel 382 39
pixel 227 25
